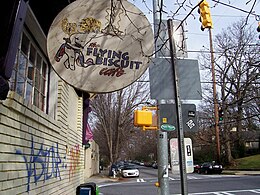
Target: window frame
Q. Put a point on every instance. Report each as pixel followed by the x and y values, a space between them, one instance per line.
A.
pixel 27 65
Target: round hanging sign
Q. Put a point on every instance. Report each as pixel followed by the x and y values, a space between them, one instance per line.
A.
pixel 99 45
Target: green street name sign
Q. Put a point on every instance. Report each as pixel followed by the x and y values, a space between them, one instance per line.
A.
pixel 167 127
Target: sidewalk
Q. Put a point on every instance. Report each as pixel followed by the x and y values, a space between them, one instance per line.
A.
pixel 102 178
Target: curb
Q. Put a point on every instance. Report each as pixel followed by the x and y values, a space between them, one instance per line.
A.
pixel 241 172
pixel 101 178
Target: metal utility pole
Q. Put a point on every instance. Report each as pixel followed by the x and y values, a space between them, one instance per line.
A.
pixel 180 138
pixel 163 177
pixel 214 97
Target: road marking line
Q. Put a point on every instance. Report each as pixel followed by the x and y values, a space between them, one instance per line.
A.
pixel 255 191
pixel 170 178
pixel 192 177
pixel 140 180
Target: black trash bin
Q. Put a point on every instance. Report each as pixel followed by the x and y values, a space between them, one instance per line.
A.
pixel 86 189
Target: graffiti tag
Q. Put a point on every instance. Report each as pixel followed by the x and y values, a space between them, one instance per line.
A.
pixel 42 164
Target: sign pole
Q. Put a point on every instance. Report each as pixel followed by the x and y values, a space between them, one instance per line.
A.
pixel 182 160
pixel 162 149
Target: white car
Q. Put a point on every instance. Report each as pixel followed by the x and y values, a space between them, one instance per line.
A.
pixel 130 171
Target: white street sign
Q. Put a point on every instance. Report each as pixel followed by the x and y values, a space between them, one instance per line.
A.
pixel 174 150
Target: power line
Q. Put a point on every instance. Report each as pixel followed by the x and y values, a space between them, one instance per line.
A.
pixel 222 16
pixel 236 8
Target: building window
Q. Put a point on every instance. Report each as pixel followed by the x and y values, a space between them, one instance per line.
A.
pixel 29 75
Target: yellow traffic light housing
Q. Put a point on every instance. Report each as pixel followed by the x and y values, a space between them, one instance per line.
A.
pixel 143 118
pixel 205 16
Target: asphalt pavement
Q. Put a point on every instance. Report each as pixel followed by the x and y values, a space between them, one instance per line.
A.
pixel 104 178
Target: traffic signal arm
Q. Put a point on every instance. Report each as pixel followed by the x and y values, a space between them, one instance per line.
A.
pixel 150 108
pixel 150 128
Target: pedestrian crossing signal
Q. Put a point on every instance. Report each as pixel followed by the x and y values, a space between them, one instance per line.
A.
pixel 143 118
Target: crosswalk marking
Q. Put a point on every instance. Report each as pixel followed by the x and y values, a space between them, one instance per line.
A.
pixel 189 177
pixel 172 179
pixel 192 177
pixel 222 193
pixel 140 180
pixel 255 191
pixel 233 192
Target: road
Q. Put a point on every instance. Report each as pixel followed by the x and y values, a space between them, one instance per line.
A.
pixel 197 184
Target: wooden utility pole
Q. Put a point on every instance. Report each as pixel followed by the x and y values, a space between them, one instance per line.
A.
pixel 215 101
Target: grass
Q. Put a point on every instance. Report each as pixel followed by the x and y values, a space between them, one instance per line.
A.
pixel 250 162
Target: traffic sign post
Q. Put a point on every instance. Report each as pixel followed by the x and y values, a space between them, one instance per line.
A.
pixel 162 149
pixel 189 118
pixel 164 85
pixel 177 99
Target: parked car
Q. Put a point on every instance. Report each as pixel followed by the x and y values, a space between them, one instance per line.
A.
pixel 130 171
pixel 210 167
pixel 196 168
pixel 148 164
pixel 120 165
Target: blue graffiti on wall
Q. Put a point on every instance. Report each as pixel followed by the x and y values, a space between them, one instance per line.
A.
pixel 42 165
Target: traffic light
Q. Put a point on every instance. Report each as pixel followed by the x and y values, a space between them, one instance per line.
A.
pixel 220 114
pixel 205 16
pixel 258 28
pixel 143 118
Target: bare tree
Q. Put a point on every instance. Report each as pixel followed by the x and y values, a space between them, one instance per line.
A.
pixel 112 115
pixel 237 72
